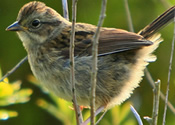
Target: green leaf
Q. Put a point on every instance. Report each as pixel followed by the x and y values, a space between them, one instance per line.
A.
pixel 4 114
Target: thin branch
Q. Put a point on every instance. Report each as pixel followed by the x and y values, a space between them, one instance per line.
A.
pixel 156 92
pixel 66 16
pixel 101 117
pixel 139 120
pixel 169 76
pixel 72 72
pixel 96 113
pixel 95 60
pixel 128 14
pixel 151 81
pixel 65 9
pixel 148 119
pixel 14 68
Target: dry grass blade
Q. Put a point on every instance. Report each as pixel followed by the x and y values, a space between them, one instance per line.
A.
pixel 169 76
pixel 65 9
pixel 128 14
pixel 139 120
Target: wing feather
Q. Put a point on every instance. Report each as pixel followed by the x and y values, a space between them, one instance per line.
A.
pixel 110 41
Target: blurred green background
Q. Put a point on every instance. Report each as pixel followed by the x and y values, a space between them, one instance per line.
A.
pixel 142 12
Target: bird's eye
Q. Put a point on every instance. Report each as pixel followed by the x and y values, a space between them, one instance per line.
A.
pixel 36 23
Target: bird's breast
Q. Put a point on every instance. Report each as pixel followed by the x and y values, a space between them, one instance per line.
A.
pixel 52 74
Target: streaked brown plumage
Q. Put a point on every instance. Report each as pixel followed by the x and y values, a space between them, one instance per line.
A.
pixel 122 57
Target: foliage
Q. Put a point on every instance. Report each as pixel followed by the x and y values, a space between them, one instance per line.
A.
pixel 10 94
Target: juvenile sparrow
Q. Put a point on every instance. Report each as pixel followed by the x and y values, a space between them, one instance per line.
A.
pixel 122 57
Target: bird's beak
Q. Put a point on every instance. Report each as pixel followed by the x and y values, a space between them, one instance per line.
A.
pixel 15 27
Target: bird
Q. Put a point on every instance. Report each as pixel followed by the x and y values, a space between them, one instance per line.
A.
pixel 122 55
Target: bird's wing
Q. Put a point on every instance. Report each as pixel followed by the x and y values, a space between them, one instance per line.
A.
pixel 117 40
pixel 110 41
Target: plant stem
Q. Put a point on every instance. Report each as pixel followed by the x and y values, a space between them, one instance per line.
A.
pixel 95 60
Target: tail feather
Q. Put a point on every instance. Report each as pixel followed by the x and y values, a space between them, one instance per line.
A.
pixel 158 23
pixel 150 33
pixel 156 39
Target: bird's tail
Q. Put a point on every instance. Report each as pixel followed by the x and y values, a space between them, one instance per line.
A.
pixel 158 23
pixel 150 33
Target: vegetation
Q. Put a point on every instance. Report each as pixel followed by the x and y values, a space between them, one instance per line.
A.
pixel 44 108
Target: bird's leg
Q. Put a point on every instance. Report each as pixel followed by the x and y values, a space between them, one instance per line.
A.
pixel 100 109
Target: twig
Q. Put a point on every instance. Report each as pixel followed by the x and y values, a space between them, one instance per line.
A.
pixel 95 60
pixel 72 73
pixel 65 9
pixel 136 115
pixel 101 117
pixel 128 14
pixel 169 76
pixel 151 81
pixel 14 68
pixel 156 92
pixel 148 119
pixel 96 113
